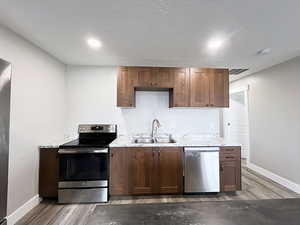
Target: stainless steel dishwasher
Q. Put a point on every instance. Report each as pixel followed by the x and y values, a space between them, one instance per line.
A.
pixel 201 169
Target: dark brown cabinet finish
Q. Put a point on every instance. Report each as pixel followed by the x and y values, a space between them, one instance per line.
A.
pixel 180 93
pixel 199 87
pixel 188 87
pixel 145 171
pixel 118 171
pixel 230 169
pixel 219 88
pixel 48 173
pixel 170 170
pixel 125 89
pixel 142 171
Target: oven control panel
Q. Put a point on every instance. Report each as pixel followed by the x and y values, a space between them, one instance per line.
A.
pixel 97 128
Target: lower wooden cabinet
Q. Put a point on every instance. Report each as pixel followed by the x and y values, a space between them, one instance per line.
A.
pixel 170 170
pixel 230 169
pixel 118 171
pixel 48 173
pixel 142 171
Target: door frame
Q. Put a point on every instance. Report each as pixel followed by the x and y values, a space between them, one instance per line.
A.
pixel 245 89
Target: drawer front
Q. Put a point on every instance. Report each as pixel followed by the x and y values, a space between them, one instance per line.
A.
pixel 230 153
pixel 89 195
pixel 229 157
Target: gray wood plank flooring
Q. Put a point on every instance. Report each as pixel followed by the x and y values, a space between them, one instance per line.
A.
pixel 255 187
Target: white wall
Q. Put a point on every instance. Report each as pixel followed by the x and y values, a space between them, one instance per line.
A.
pixel 237 117
pixel 37 112
pixel 91 98
pixel 274 118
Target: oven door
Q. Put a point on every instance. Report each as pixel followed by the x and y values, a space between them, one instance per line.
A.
pixel 79 168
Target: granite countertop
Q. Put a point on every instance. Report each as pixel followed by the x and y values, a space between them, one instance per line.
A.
pixel 125 141
pixel 56 144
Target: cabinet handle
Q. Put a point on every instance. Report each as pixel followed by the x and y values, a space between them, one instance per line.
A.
pixel 229 157
pixel 158 153
pixel 221 168
pixel 112 155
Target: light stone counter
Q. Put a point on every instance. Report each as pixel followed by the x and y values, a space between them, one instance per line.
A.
pixel 56 144
pixel 124 141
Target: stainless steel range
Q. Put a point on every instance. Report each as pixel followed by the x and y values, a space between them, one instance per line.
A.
pixel 84 165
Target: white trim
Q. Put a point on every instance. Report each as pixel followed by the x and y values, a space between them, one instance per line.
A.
pixel 239 89
pixel 23 210
pixel 278 179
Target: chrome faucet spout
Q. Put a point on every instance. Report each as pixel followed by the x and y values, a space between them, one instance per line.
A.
pixel 155 126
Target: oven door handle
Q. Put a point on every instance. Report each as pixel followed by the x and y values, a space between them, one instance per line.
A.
pixel 85 151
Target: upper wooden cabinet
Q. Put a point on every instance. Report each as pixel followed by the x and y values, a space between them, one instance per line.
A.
pixel 180 95
pixel 188 87
pixel 199 87
pixel 125 89
pixel 219 88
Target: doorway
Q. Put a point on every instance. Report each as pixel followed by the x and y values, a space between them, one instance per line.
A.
pixel 236 120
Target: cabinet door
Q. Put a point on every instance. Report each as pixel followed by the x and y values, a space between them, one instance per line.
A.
pixel 125 88
pixel 48 173
pixel 181 91
pixel 142 170
pixel 118 171
pixel 199 87
pixel 219 88
pixel 146 76
pixel 164 77
pixel 170 172
pixel 230 175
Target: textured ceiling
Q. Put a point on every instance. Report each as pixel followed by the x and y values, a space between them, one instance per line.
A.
pixel 159 32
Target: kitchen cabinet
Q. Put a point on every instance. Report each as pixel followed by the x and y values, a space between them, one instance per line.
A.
pixel 219 88
pixel 146 76
pixel 180 94
pixel 199 87
pixel 125 88
pixel 188 87
pixel 153 77
pixel 146 170
pixel 142 171
pixel 170 170
pixel 48 173
pixel 230 169
pixel 118 171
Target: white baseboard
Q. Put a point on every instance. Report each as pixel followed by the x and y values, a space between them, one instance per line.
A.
pixel 23 210
pixel 278 179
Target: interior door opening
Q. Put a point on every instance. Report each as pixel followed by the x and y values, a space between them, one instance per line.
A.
pixel 236 121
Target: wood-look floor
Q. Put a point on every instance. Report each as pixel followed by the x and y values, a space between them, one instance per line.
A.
pixel 254 187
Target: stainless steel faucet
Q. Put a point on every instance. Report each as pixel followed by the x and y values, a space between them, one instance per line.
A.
pixel 155 126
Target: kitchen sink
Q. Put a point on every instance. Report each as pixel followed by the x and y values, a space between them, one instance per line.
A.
pixel 153 141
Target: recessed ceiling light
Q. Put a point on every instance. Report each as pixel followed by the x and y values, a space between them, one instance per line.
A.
pixel 264 51
pixel 215 43
pixel 94 43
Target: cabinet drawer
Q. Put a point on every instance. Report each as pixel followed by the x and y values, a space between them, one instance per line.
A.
pixel 229 157
pixel 230 153
pixel 234 149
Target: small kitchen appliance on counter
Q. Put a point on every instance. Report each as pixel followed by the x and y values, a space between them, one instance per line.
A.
pixel 84 165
